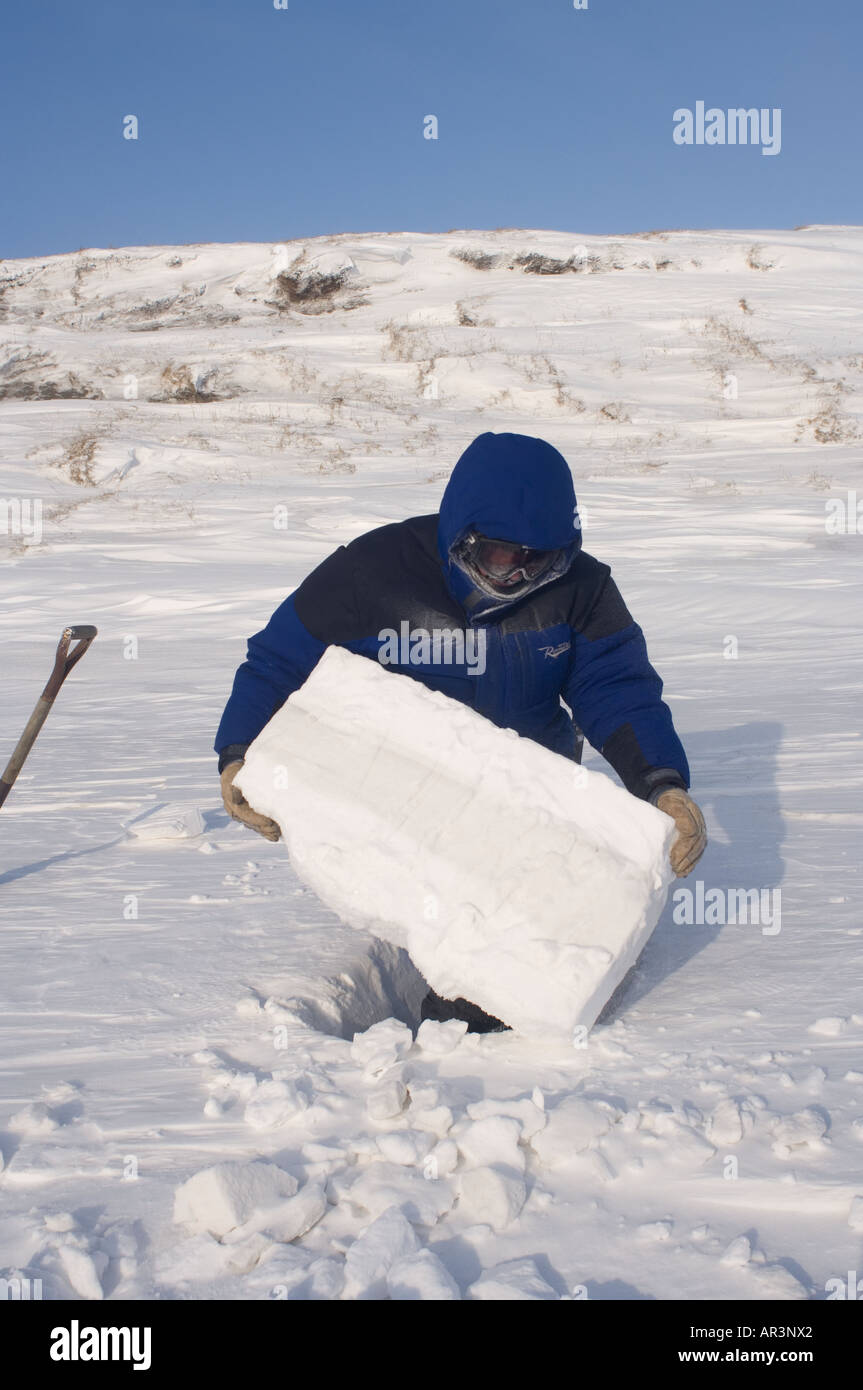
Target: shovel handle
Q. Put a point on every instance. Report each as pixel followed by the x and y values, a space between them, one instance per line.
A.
pixel 82 635
pixel 67 655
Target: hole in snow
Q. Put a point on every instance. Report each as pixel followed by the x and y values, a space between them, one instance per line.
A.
pixel 380 983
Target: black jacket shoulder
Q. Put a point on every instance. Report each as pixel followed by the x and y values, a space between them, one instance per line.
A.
pixel 357 589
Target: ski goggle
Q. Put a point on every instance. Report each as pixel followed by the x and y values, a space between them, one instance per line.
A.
pixel 503 562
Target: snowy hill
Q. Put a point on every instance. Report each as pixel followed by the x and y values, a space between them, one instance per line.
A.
pixel 185 432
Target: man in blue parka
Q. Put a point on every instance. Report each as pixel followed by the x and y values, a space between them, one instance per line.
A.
pixel 502 562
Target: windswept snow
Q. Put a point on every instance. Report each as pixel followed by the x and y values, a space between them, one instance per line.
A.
pixel 184 433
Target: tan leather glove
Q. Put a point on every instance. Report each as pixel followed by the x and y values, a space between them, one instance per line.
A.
pixel 691 840
pixel 238 807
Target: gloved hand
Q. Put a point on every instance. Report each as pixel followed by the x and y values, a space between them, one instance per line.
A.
pixel 691 840
pixel 238 807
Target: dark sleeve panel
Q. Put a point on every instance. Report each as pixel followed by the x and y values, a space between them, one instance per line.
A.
pixel 327 602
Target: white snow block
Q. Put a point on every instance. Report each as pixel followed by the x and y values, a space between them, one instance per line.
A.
pixel 407 1147
pixel 440 1038
pixel 219 1199
pixel 512 876
pixel 388 1240
pixel 83 1269
pixel 286 1221
pixel 491 1196
pixel 572 1127
pixel 421 1278
pixel 513 1280
pixel 493 1140
pixel 167 822
pixel 387 1100
pixel 855 1214
pixel 422 1199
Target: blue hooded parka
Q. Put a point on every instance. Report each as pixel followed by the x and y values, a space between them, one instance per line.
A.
pixel 569 641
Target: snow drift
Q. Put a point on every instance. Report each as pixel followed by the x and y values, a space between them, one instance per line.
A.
pixel 512 876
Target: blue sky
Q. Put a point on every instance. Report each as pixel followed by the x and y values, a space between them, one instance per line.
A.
pixel 265 124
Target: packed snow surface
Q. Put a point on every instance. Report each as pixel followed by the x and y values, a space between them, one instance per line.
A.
pixel 513 877
pixel 184 433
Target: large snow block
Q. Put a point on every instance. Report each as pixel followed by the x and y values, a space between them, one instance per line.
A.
pixel 220 1198
pixel 512 876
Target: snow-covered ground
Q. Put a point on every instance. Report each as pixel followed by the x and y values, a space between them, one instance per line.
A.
pixel 184 433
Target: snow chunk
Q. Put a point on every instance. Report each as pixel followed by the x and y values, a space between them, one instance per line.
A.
pixel 672 1135
pixel 287 1221
pixel 738 1253
pixel 421 1277
pixel 855 1215
pixel 60 1221
pixel 34 1120
pixel 491 1196
pixel 381 1047
pixel 654 1231
pixel 383 1185
pixel 167 822
pixel 440 1038
pixel 273 1104
pixel 774 1280
pixel 727 1125
pixel 437 1120
pixel 202 1257
pixel 803 1130
pixel 492 1140
pixel 387 1100
pixel 573 1126
pixel 405 1146
pixel 390 795
pixel 386 1242
pixel 427 1111
pixel 511 1280
pixel 219 1199
pixel 531 1117
pixel 442 1160
pixel 83 1269
pixel 829 1027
